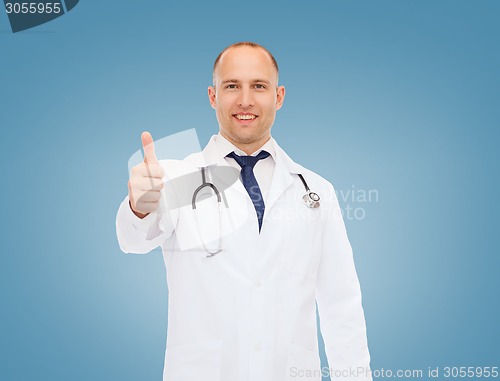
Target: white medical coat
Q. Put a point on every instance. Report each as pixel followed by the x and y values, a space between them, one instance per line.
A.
pixel 249 312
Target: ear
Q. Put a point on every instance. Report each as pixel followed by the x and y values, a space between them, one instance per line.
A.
pixel 211 96
pixel 280 97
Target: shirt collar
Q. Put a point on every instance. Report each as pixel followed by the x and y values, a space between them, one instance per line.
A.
pixel 225 147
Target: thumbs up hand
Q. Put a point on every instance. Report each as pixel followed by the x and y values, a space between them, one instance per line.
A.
pixel 145 183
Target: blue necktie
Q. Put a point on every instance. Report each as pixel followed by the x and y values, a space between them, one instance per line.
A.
pixel 250 182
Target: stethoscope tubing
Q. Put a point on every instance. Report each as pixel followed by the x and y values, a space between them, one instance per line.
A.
pixel 311 200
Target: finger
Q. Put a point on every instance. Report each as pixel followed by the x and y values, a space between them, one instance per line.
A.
pixel 149 147
pixel 154 170
pixel 148 184
pixel 147 170
pixel 151 196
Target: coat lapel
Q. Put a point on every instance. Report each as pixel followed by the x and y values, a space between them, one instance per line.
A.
pixel 283 176
pixel 208 157
pixel 211 157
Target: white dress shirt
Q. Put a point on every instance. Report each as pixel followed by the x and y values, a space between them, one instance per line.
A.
pixel 264 168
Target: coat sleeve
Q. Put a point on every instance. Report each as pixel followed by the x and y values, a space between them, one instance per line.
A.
pixel 338 297
pixel 140 236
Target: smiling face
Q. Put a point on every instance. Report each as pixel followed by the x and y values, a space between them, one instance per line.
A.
pixel 246 96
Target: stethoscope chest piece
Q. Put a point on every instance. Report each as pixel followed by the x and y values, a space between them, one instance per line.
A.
pixel 311 199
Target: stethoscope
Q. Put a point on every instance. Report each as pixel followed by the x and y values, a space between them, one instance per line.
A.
pixel 311 200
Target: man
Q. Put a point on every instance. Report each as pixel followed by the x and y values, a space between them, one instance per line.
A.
pixel 244 280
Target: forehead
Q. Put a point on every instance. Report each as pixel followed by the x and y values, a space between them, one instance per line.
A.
pixel 245 63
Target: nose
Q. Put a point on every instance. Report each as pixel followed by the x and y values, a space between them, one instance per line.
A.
pixel 245 98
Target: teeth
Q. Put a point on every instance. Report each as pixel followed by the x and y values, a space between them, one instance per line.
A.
pixel 245 117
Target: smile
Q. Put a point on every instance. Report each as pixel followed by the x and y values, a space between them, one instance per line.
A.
pixel 245 116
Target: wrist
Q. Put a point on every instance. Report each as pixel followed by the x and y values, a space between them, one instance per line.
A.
pixel 138 214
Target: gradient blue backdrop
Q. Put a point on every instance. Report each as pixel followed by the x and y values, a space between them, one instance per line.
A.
pixel 401 97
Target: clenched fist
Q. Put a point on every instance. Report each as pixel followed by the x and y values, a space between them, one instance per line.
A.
pixel 145 181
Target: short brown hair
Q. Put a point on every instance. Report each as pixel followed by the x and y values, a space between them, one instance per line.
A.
pixel 244 43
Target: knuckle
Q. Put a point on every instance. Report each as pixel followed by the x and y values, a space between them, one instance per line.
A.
pixel 156 169
pixel 158 184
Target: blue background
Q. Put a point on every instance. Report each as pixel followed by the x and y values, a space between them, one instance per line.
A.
pixel 401 97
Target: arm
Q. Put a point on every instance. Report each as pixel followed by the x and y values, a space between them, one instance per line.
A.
pixel 140 236
pixel 338 297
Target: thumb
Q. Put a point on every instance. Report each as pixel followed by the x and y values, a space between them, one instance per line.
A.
pixel 148 146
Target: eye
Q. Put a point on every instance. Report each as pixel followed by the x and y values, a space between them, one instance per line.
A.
pixel 260 86
pixel 230 86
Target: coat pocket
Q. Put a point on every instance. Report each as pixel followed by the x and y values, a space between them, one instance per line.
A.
pixel 303 364
pixel 193 362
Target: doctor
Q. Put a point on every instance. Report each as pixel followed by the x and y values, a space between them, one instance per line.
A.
pixel 245 275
